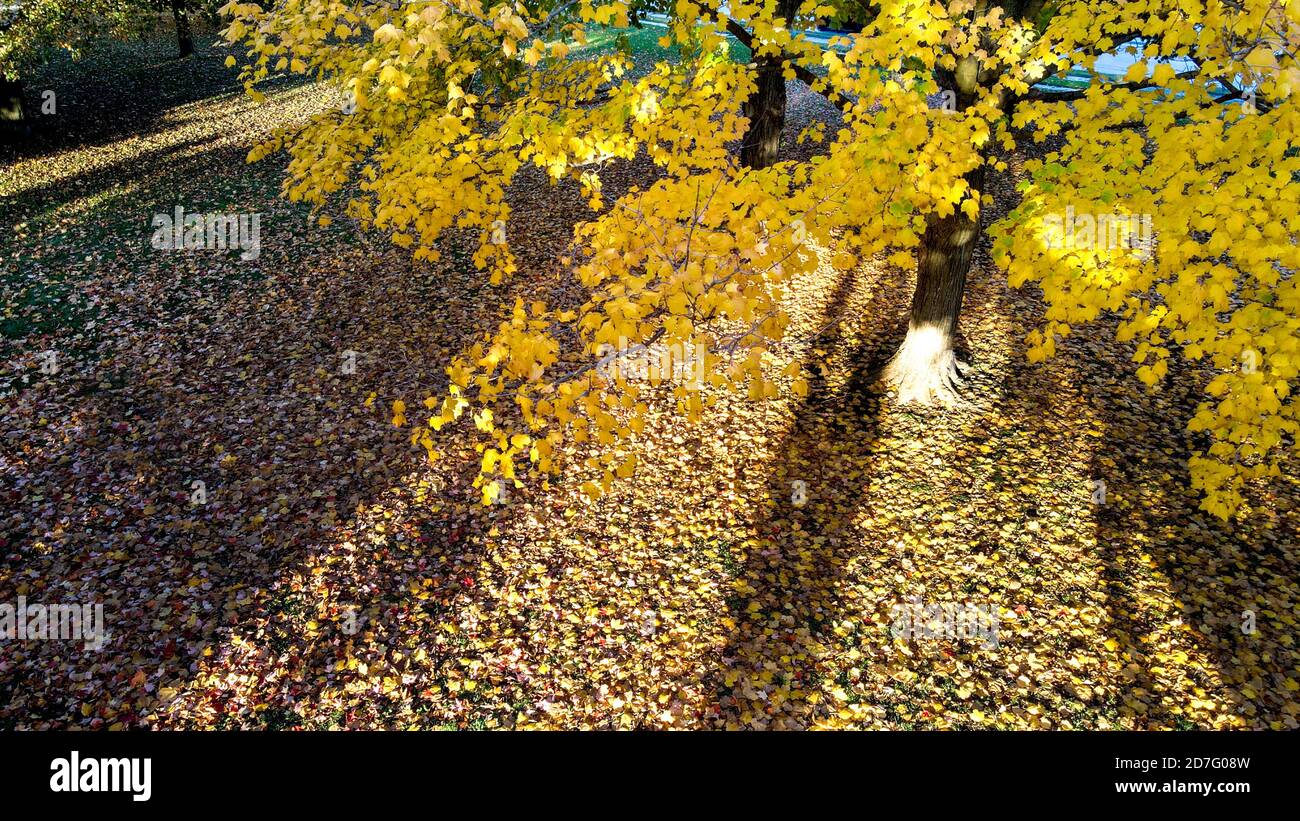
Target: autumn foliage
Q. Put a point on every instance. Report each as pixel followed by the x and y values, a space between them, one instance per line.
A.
pixel 443 103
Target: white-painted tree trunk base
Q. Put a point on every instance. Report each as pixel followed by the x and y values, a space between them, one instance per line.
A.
pixel 926 370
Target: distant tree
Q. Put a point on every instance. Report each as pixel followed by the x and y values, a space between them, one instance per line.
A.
pixel 32 30
pixel 182 12
pixel 185 41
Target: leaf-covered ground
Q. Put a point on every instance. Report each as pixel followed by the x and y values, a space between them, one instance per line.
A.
pixel 335 579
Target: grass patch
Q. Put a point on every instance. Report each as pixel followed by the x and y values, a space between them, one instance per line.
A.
pixel 644 46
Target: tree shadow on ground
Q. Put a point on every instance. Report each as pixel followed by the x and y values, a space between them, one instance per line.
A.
pixel 1197 606
pixel 1146 622
pixel 1112 615
pixel 1156 600
pixel 786 601
pixel 253 403
pixel 204 374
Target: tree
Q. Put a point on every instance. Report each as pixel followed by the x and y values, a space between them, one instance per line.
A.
pixel 32 30
pixel 181 10
pixel 11 92
pixel 180 15
pixel 29 31
pixel 1195 198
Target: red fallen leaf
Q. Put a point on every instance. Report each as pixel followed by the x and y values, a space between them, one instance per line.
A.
pixel 138 678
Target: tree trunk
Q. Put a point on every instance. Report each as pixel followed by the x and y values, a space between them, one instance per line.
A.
pixel 926 369
pixel 183 37
pixel 765 108
pixel 11 101
pixel 766 111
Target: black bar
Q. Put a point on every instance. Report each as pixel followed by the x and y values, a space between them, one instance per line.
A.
pixel 440 772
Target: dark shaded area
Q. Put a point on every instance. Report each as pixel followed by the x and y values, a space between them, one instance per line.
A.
pixel 805 524
pixel 1216 571
pixel 101 461
pixel 122 90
